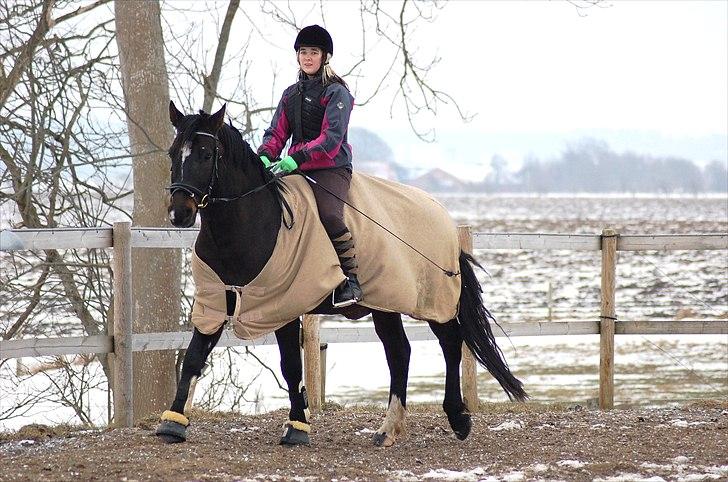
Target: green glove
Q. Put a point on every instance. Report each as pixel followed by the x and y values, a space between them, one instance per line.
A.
pixel 265 161
pixel 287 164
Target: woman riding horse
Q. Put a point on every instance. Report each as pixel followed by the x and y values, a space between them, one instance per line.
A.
pixel 246 211
pixel 315 111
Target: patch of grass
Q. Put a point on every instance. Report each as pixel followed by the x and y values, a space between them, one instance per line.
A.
pixel 708 403
pixel 528 407
pixel 195 414
pixel 40 432
pixel 436 408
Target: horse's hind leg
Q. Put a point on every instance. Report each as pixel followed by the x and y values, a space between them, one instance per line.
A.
pixel 173 426
pixel 297 427
pixel 397 349
pixel 451 342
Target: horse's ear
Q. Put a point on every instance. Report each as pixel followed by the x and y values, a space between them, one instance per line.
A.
pixel 175 116
pixel 218 119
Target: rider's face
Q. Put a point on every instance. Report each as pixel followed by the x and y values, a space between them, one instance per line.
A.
pixel 310 59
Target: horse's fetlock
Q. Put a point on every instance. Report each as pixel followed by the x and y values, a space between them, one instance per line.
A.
pixel 453 408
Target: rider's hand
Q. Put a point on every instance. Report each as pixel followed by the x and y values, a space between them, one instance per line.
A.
pixel 266 162
pixel 287 164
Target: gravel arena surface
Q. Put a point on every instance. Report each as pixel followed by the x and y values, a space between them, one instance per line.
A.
pixel 509 442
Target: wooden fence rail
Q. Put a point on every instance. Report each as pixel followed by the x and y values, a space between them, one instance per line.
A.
pixel 70 345
pixel 122 238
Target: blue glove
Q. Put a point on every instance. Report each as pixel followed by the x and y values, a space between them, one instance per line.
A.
pixel 285 165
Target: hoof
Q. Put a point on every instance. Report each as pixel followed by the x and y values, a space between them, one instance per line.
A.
pixel 171 432
pixel 294 436
pixel 461 425
pixel 383 440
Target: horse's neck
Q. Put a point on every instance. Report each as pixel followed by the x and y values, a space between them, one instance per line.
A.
pixel 237 239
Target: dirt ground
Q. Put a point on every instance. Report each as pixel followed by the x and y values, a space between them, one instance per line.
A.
pixel 509 442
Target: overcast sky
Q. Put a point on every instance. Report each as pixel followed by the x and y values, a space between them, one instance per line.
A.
pixel 540 66
pixel 647 75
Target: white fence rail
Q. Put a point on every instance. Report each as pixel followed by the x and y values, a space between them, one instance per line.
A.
pixel 71 238
pixel 37 347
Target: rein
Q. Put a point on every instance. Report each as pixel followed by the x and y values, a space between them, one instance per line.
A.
pixel 206 198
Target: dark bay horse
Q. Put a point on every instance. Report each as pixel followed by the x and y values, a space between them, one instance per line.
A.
pixel 241 207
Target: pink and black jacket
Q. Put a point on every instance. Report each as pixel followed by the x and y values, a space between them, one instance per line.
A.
pixel 317 118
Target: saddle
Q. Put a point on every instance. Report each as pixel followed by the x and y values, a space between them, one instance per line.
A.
pixel 304 269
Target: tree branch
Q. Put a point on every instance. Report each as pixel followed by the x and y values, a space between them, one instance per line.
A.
pixel 210 82
pixel 8 83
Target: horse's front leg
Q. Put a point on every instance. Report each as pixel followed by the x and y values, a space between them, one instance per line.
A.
pixel 297 427
pixel 451 342
pixel 397 349
pixel 173 427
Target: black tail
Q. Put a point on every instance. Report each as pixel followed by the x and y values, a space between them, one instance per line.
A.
pixel 474 319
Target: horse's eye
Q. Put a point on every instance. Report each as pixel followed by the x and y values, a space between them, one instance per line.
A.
pixel 207 156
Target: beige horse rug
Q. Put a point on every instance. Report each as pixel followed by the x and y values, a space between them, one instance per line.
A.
pixel 304 269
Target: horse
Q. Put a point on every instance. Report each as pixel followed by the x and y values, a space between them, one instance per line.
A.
pixel 216 174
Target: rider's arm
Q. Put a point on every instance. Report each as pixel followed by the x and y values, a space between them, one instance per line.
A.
pixel 275 136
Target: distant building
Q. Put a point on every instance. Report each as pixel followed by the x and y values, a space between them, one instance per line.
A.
pixel 438 180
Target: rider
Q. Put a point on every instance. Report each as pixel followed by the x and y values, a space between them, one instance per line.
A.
pixel 315 111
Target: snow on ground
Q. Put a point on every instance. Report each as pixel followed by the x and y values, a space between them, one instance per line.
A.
pixel 507 425
pixel 678 472
pixel 681 473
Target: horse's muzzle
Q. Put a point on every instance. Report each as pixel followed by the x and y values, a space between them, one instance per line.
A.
pixel 182 209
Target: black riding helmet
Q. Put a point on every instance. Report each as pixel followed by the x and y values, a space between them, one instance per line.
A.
pixel 314 36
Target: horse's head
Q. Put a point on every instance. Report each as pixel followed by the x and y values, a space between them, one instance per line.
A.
pixel 195 155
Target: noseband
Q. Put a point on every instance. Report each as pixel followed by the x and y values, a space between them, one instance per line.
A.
pixel 206 197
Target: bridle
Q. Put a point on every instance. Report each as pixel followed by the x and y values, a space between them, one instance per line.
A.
pixel 206 197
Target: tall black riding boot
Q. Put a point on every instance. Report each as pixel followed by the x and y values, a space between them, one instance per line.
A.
pixel 349 291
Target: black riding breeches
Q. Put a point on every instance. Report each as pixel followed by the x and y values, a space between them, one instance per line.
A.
pixel 331 212
pixel 331 209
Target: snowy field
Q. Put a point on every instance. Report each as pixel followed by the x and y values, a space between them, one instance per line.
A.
pixel 520 286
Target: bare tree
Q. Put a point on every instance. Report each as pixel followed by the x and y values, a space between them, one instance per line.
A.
pixel 55 171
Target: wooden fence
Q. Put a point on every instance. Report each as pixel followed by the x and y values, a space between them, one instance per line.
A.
pixel 122 238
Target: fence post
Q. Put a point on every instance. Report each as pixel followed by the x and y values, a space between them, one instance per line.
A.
pixel 607 319
pixel 122 368
pixel 469 374
pixel 323 349
pixel 312 360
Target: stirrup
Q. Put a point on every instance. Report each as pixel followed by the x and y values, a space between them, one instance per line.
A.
pixel 344 303
pixel 355 298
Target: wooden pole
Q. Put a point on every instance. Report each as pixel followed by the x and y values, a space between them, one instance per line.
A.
pixel 324 348
pixel 607 319
pixel 122 367
pixel 469 370
pixel 112 366
pixel 312 360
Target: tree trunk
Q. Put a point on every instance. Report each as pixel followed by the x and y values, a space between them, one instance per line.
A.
pixel 156 273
